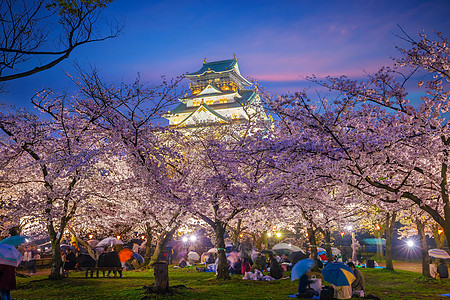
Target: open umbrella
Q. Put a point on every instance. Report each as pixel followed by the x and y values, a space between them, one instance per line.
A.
pixel 10 256
pixel 64 247
pixel 438 253
pixel 138 257
pixel 110 241
pixel 93 243
pixel 212 250
pixel 14 240
pixel 284 246
pixel 301 268
pixel 193 255
pixel 125 254
pixel 294 257
pixel 338 274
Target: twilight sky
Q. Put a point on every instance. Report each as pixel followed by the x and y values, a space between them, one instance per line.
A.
pixel 276 42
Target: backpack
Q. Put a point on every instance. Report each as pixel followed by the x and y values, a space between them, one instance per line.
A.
pixel 327 293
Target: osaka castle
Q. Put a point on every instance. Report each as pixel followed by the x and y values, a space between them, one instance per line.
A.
pixel 218 94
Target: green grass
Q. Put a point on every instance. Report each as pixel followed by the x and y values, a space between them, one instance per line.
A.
pixel 380 282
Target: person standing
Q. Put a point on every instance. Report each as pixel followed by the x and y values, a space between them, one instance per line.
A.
pixel 7 281
pixel 442 269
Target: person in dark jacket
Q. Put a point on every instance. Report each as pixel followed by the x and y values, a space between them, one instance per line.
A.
pixel 442 269
pixel 70 261
pixel 112 260
pixel 276 271
pixel 7 281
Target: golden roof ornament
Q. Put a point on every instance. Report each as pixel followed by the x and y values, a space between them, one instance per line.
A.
pixel 234 56
pixel 204 61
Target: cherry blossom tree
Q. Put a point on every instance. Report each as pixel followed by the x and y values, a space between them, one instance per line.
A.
pixel 53 156
pixel 374 139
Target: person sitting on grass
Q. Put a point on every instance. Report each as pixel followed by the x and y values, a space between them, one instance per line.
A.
pixel 276 271
pixel 358 286
pixel 256 266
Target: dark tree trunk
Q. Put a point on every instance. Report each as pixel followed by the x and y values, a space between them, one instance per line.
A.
pixel 161 272
pixel 423 248
pixel 222 267
pixel 390 223
pixel 313 244
pixel 148 244
pixel 327 236
pixel 57 263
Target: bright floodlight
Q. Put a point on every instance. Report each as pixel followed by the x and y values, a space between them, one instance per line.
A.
pixel 410 243
pixel 269 234
pixel 184 239
pixel 278 234
pixel 349 227
pixel 193 238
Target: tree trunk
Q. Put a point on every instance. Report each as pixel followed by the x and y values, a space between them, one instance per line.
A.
pixel 161 272
pixel 237 231
pixel 390 223
pixel 161 243
pixel 148 244
pixel 222 267
pixel 327 237
pixel 423 248
pixel 313 245
pixel 439 238
pixel 57 263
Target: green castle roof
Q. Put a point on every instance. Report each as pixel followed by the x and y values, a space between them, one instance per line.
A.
pixel 216 66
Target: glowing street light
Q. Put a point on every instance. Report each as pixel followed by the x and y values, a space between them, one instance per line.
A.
pixel 185 239
pixel 142 236
pixel 410 243
pixel 440 231
pixel 118 236
pixel 278 234
pixel 90 236
pixel 349 227
pixel 193 238
pixel 269 234
pixel 378 227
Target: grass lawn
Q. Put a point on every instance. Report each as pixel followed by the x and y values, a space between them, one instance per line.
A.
pixel 379 282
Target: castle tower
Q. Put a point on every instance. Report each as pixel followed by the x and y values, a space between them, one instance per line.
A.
pixel 218 94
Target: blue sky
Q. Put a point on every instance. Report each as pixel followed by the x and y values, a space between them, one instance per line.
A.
pixel 276 42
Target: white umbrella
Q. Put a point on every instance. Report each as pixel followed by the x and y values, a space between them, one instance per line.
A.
pixel 193 255
pixel 111 241
pixel 10 256
pixel 289 247
pixel 212 250
pixel 438 253
pixel 335 251
pixel 93 243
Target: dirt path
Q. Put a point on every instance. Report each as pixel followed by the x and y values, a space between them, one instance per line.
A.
pixel 407 266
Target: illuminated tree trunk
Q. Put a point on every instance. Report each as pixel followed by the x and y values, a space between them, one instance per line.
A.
pixel 237 231
pixel 313 244
pixel 161 243
pixel 439 238
pixel 327 236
